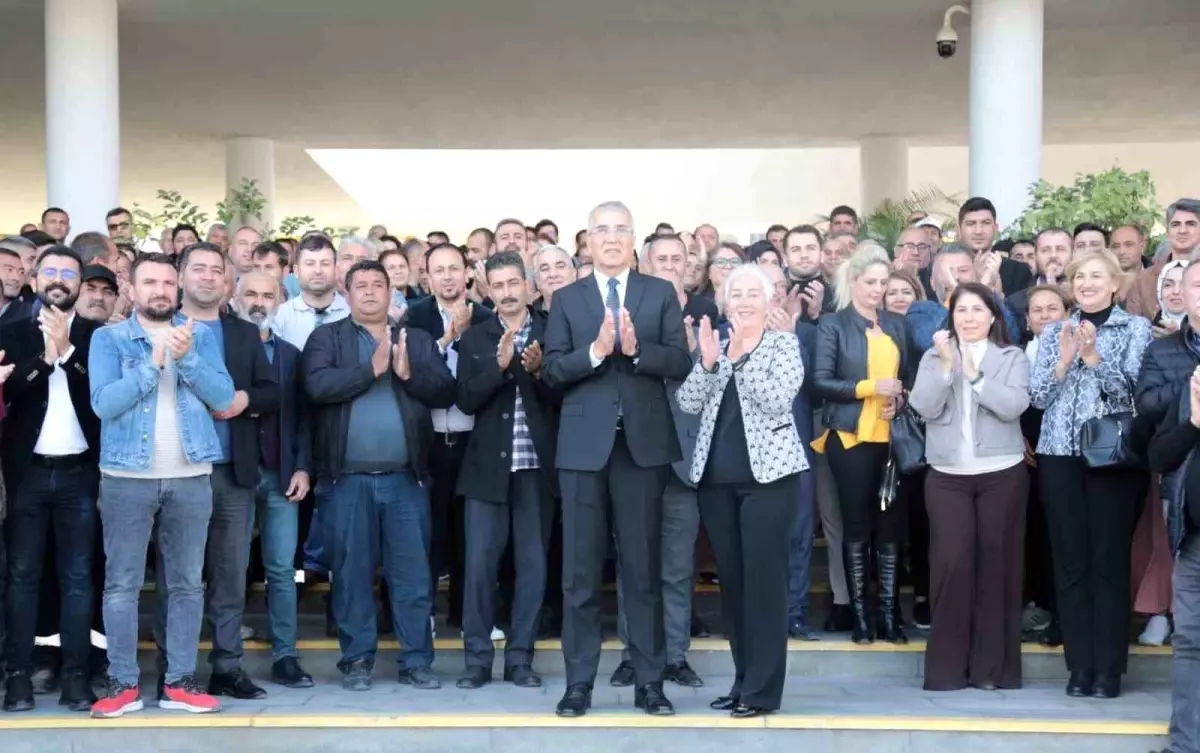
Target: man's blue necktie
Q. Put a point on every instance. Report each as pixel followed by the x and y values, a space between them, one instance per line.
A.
pixel 613 302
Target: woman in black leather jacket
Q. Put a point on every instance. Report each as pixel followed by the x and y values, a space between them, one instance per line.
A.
pixel 859 367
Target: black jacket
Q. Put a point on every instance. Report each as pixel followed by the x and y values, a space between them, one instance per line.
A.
pixel 28 389
pixel 424 315
pixel 16 311
pixel 293 422
pixel 1014 276
pixel 252 373
pixel 1166 368
pixel 333 377
pixel 489 394
pixel 840 363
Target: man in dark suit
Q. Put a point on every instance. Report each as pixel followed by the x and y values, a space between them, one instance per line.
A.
pixel 12 279
pixel 512 484
pixel 202 268
pixel 284 475
pixel 611 341
pixel 977 230
pixel 50 452
pixel 447 315
pixel 800 554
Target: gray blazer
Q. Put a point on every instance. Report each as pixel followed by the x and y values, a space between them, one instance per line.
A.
pixel 999 403
pixel 768 379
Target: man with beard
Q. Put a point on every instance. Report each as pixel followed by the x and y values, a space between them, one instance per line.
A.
pixel 12 277
pixel 284 475
pixel 234 478
pixel 155 378
pixel 554 271
pixel 512 484
pixel 1052 253
pixel 510 236
pixel 119 222
pixel 446 316
pixel 50 450
pixel 56 223
pixel 802 248
pixel 977 230
pixel 98 296
pixel 481 244
pixel 318 303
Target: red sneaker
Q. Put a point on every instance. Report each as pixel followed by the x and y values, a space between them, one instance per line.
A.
pixel 188 695
pixel 119 700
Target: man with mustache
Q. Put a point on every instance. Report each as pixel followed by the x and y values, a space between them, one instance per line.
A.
pixel 98 296
pixel 511 488
pixel 155 378
pixel 284 475
pixel 50 449
pixel 234 478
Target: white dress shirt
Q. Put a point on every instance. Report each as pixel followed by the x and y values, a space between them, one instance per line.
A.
pixel 295 320
pixel 61 433
pixel 622 285
pixel 450 420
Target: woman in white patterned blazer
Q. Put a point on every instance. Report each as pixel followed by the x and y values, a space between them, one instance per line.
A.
pixel 745 464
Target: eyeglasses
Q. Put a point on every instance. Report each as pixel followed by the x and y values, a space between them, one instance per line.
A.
pixel 601 231
pixel 66 275
pixel 112 226
pixel 922 247
pixel 727 263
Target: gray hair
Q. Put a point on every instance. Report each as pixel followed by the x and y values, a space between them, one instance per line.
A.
pixel 752 270
pixel 1183 205
pixel 218 226
pixel 17 244
pixel 242 279
pixel 942 287
pixel 548 249
pixel 609 206
pixel 356 240
pixel 868 254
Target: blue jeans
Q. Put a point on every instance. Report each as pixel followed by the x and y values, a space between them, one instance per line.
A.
pixel 800 547
pixel 1185 666
pixel 369 519
pixel 278 526
pixel 128 509
pixel 58 502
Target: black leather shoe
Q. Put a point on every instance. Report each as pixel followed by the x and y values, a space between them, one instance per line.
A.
pixel 523 676
pixel 287 672
pixel 1107 686
pixel 892 625
pixel 1081 684
pixel 474 679
pixel 682 674
pixel 575 702
pixel 1052 635
pixel 857 556
pixel 651 699
pixel 77 692
pixel 742 711
pixel 840 620
pixel 18 692
pixel 421 678
pixel 235 684
pixel 724 703
pixel 623 676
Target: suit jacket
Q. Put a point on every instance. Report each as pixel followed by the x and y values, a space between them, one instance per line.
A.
pixel 588 424
pixel 424 315
pixel 802 405
pixel 292 419
pixel 490 394
pixel 1014 276
pixel 16 311
pixel 252 373
pixel 767 382
pixel 28 388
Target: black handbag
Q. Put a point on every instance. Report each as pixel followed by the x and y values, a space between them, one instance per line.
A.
pixel 908 441
pixel 1104 440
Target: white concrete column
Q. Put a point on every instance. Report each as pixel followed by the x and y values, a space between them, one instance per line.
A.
pixel 83 118
pixel 1006 102
pixel 883 162
pixel 253 158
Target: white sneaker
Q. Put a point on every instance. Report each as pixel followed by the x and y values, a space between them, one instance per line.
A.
pixel 497 634
pixel 1157 631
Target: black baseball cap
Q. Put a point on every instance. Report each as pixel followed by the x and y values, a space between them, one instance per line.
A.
pixel 100 272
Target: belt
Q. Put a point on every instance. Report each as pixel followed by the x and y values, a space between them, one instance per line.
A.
pixel 60 461
pixel 451 438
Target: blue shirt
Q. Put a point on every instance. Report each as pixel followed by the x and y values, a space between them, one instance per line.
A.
pixel 375 441
pixel 223 434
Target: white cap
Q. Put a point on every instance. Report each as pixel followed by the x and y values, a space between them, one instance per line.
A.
pixel 928 222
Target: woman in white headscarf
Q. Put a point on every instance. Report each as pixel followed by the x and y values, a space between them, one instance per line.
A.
pixel 1171 306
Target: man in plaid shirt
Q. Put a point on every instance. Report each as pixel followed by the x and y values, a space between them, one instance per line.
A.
pixel 512 483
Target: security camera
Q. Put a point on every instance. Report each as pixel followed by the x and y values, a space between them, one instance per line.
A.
pixel 947 37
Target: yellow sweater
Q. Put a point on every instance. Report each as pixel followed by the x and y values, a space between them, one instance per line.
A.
pixel 883 362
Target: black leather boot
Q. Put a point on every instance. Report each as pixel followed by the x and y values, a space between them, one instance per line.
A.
pixel 889 565
pixel 856 555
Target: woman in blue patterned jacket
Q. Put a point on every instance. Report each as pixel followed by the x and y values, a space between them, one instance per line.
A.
pixel 1086 368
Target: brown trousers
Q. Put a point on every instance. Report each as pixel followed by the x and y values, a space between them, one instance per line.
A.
pixel 976 536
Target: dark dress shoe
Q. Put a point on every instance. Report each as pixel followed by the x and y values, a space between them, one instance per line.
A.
pixel 724 703
pixel 287 672
pixel 799 629
pixel 742 711
pixel 523 676
pixel 235 684
pixel 421 678
pixel 575 702
pixel 651 699
pixel 1081 684
pixel 474 679
pixel 18 692
pixel 1052 635
pixel 682 674
pixel 77 692
pixel 623 676
pixel 841 619
pixel 1107 686
pixel 699 629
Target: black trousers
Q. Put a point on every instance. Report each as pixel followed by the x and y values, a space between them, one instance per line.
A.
pixel 446 515
pixel 525 521
pixel 632 496
pixel 912 489
pixel 1039 562
pixel 751 526
pixel 1091 515
pixel 857 473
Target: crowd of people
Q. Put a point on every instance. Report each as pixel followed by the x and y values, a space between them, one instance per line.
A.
pixel 1009 425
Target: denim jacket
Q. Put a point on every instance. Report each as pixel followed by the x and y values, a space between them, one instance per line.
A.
pixel 124 384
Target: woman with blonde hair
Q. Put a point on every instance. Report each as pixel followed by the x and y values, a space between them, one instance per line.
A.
pixel 903 289
pixel 859 366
